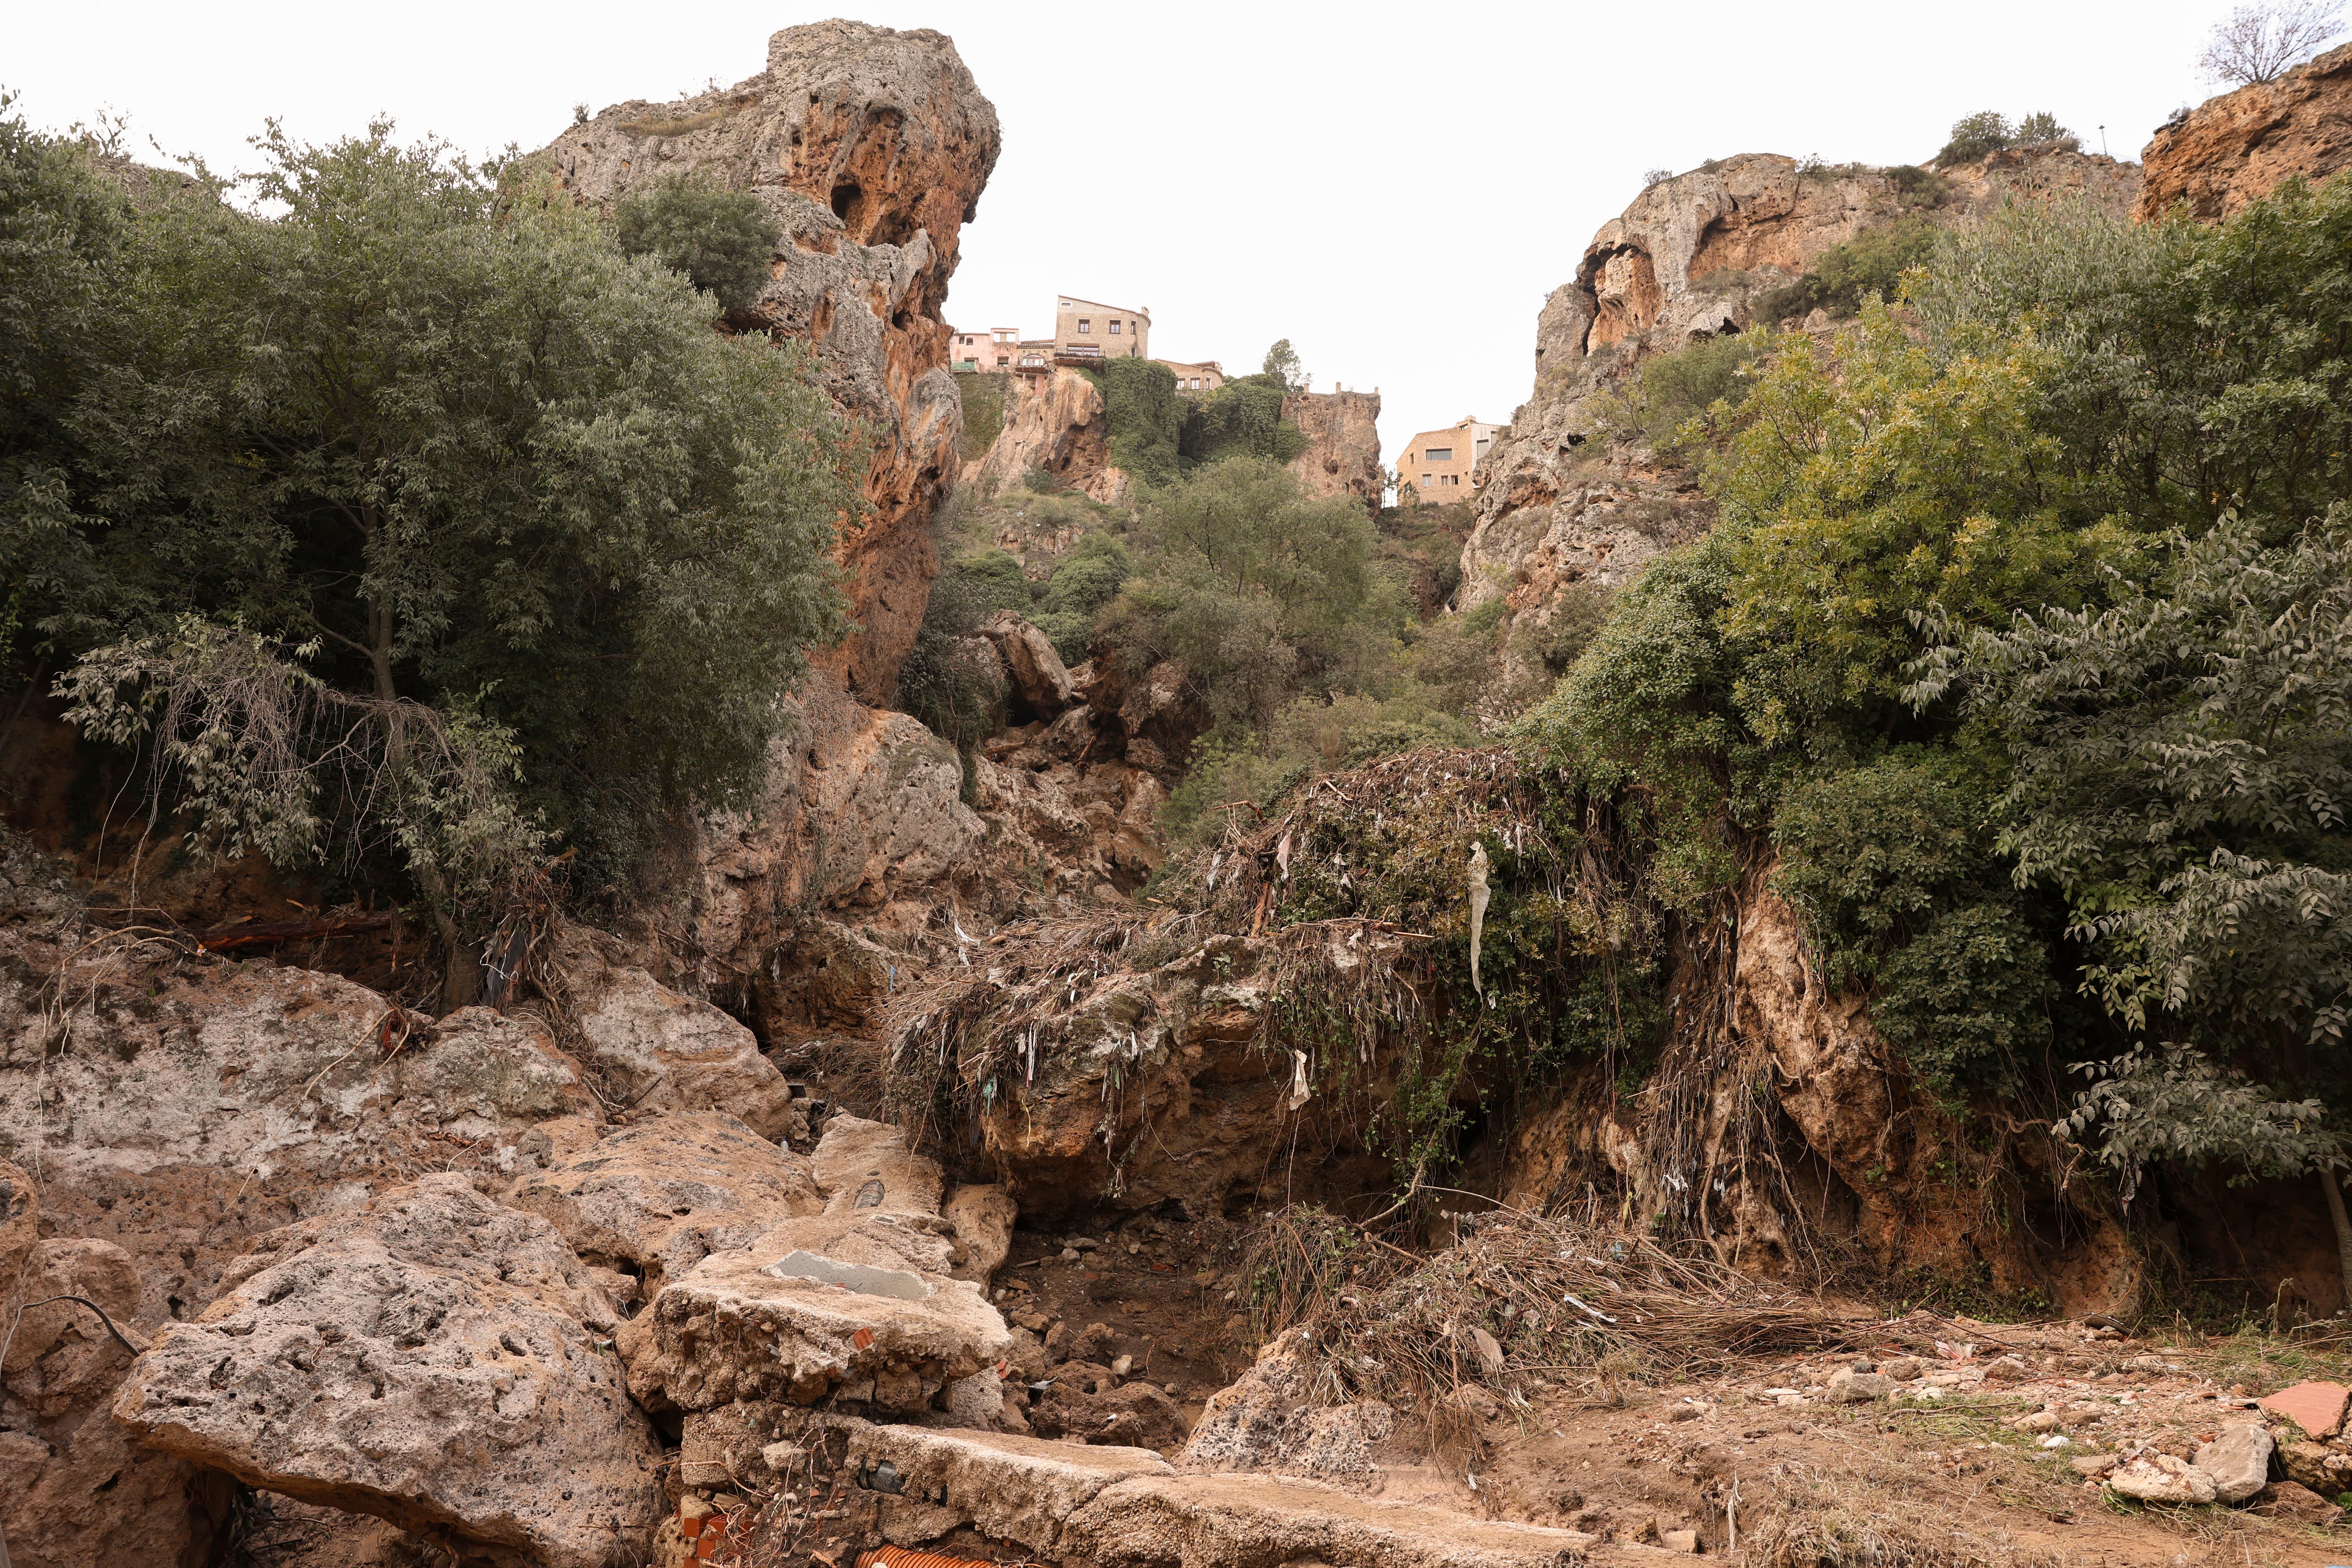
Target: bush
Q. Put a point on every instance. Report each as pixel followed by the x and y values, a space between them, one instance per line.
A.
pixel 1976 135
pixel 1241 418
pixel 1145 417
pixel 2040 132
pixel 1673 389
pixel 1871 262
pixel 724 240
pixel 1084 584
pixel 984 394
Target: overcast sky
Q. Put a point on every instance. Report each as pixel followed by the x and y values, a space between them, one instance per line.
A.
pixel 1393 188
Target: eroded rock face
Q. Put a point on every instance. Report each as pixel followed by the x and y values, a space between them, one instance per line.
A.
pixel 654 1199
pixel 430 1358
pixel 871 147
pixel 1343 443
pixel 1054 422
pixel 1270 1420
pixel 1035 679
pixel 2242 145
pixel 1853 1099
pixel 1690 257
pixel 658 1050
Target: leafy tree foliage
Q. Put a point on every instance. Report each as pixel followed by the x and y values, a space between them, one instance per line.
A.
pixel 724 240
pixel 1241 418
pixel 1872 263
pixel 436 444
pixel 1144 416
pixel 1282 363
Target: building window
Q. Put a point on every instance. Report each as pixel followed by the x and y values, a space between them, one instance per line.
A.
pixel 1083 324
pixel 1113 329
pixel 1438 455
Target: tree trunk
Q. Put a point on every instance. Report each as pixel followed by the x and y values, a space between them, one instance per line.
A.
pixel 461 972
pixel 2343 1230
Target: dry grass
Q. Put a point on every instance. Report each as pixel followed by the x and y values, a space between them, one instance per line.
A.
pixel 1571 1304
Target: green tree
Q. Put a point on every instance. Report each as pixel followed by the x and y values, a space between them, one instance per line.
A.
pixel 724 240
pixel 1241 418
pixel 448 447
pixel 1974 135
pixel 1257 587
pixel 1144 417
pixel 1282 363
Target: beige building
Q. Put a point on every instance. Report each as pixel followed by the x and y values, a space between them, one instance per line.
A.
pixel 1087 329
pixel 1206 376
pixel 1442 465
pixel 992 350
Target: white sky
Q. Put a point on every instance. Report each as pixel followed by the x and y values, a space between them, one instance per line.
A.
pixel 1393 188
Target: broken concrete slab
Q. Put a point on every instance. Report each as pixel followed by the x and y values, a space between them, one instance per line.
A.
pixel 2160 1478
pixel 658 1197
pixel 1126 1508
pixel 759 1324
pixel 1010 1487
pixel 431 1358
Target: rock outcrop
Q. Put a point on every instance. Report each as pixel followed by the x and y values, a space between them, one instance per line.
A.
pixel 653 1200
pixel 1037 683
pixel 854 1305
pixel 2242 145
pixel 1343 443
pixel 430 1358
pixel 871 147
pixel 1054 424
pixel 1689 258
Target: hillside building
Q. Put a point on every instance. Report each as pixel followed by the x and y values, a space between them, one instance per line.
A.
pixel 1442 465
pixel 992 350
pixel 1206 376
pixel 1087 329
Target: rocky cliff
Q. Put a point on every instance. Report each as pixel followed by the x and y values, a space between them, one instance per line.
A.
pixel 1690 258
pixel 1054 424
pixel 871 147
pixel 1343 443
pixel 2232 149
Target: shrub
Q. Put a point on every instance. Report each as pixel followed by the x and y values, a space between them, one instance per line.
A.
pixel 1241 418
pixel 1144 416
pixel 1871 262
pixel 983 394
pixel 2040 132
pixel 1084 582
pixel 1976 135
pixel 1673 389
pixel 724 240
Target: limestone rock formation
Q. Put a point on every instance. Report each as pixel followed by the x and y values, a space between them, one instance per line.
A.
pixel 2242 145
pixel 1343 443
pixel 1688 258
pixel 983 1216
pixel 658 1050
pixel 871 147
pixel 866 1167
pixel 428 1357
pixel 1037 682
pixel 1270 1419
pixel 654 1199
pixel 856 1305
pixel 1053 423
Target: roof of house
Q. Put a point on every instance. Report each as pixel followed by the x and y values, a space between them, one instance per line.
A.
pixel 1071 301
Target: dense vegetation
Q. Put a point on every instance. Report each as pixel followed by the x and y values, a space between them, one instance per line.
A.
pixel 419 527
pixel 2019 655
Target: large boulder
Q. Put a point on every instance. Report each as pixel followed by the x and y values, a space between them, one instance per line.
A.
pixel 867 1166
pixel 869 147
pixel 854 1307
pixel 2242 145
pixel 654 1199
pixel 2237 1462
pixel 656 1049
pixel 428 1357
pixel 1036 678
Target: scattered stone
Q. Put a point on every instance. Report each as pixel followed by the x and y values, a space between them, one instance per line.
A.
pixel 427 1357
pixel 1902 1368
pixel 2007 1369
pixel 865 1166
pixel 2238 1461
pixel 2093 1466
pixel 982 1216
pixel 1857 1388
pixel 2160 1478
pixel 1679 1540
pixel 2040 1421
pixel 2316 1408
